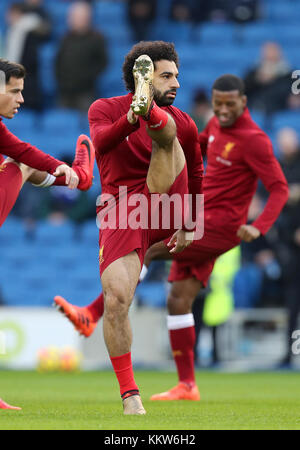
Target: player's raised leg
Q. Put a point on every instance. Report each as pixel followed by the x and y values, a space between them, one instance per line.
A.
pixel 181 327
pixel 167 159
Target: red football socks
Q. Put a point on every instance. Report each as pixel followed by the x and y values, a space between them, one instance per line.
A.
pixel 182 344
pixel 96 308
pixel 157 119
pixel 123 369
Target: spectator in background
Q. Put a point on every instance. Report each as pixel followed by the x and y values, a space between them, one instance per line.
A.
pixel 289 232
pixel 240 11
pixel 243 11
pixel 293 102
pixel 268 84
pixel 141 14
pixel 201 110
pixel 28 28
pixel 36 7
pixel 181 10
pixel 81 58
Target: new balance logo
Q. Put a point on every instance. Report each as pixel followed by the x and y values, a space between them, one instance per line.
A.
pixel 156 125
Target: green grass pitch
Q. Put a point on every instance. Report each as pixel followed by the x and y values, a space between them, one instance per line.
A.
pixel 90 401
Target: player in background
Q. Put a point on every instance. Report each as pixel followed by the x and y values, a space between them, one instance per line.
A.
pixel 238 153
pixel 142 144
pixel 27 163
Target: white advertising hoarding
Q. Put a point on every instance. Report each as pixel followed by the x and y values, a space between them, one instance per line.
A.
pixel 24 331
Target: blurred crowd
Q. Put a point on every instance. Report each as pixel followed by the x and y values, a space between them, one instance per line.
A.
pixel 82 56
pixel 82 53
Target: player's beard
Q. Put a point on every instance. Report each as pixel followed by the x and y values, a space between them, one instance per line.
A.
pixel 161 99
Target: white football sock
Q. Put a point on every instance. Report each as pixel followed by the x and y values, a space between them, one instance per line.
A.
pixel 180 321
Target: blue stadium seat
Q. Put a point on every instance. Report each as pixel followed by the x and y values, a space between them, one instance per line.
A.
pixel 11 231
pixel 291 53
pixel 282 10
pixel 47 55
pixel 247 286
pixel 183 98
pixel 258 33
pixel 25 119
pixel 90 233
pixel 152 293
pixel 111 83
pixel 58 145
pixel 286 119
pixel 258 118
pixel 20 294
pixel 116 34
pixel 58 11
pixel 288 34
pixel 116 56
pixel 170 31
pixel 61 120
pixel 106 11
pixel 52 234
pixel 215 33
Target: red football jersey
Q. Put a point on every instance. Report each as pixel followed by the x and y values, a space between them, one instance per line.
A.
pixel 123 151
pixel 25 153
pixel 237 157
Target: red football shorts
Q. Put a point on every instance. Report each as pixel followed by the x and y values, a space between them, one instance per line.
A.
pixel 115 243
pixel 10 186
pixel 199 258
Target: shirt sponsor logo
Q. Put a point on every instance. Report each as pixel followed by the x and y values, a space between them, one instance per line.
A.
pixel 211 139
pixel 224 161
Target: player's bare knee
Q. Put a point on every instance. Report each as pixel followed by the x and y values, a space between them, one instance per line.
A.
pixel 178 305
pixel 164 142
pixel 164 139
pixel 116 304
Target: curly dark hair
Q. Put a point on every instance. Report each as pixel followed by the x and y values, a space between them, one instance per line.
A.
pixel 157 50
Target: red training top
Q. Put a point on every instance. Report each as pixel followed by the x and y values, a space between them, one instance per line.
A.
pixel 25 153
pixel 123 151
pixel 237 157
